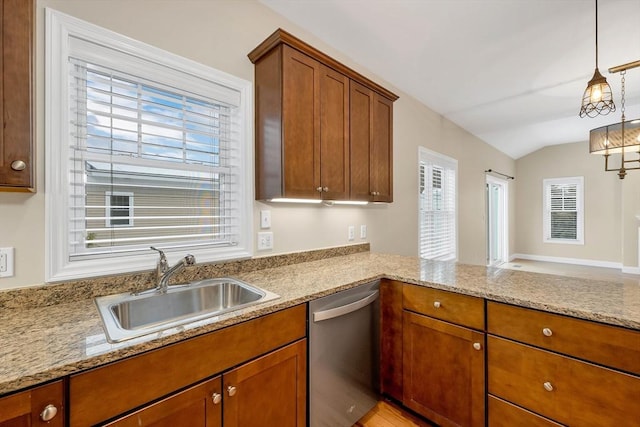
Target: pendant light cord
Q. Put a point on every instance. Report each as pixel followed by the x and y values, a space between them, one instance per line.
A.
pixel 596 34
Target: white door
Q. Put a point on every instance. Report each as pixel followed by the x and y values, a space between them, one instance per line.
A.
pixel 497 220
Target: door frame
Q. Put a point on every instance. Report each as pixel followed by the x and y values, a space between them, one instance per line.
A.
pixel 504 212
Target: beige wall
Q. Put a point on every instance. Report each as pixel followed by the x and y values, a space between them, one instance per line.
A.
pixel 603 198
pixel 220 33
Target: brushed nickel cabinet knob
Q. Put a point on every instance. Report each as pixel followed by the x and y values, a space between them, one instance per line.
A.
pixel 18 165
pixel 477 346
pixel 216 397
pixel 547 332
pixel 547 386
pixel 48 413
pixel 437 304
pixel 231 390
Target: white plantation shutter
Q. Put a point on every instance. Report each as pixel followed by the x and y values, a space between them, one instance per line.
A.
pixel 437 206
pixel 563 214
pixel 152 152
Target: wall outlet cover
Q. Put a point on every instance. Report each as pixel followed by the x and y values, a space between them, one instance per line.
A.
pixel 265 240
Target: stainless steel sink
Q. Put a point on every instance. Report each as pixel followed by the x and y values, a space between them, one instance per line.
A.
pixel 127 316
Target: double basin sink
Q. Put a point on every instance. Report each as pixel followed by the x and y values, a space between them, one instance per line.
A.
pixel 130 315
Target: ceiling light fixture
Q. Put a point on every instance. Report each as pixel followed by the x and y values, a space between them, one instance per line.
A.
pixel 597 98
pixel 619 138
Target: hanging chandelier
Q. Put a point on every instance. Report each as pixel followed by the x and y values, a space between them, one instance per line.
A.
pixel 619 138
pixel 597 98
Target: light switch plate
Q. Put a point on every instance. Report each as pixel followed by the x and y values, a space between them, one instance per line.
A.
pixel 6 262
pixel 265 219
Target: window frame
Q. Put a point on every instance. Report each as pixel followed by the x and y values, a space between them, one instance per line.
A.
pixel 61 29
pixel 546 209
pixel 445 163
pixel 108 217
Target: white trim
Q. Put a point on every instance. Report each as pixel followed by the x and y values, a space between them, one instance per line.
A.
pixel 107 208
pixel 425 155
pixel 60 30
pixel 505 208
pixel 562 260
pixel 546 225
pixel 631 270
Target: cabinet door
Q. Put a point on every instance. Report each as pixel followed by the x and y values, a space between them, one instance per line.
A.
pixel 334 134
pixel 16 138
pixel 200 405
pixel 27 408
pixel 382 150
pixel 361 129
pixel 301 125
pixel 269 391
pixel 443 373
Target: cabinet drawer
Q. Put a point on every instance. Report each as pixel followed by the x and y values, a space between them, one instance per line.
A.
pixel 110 390
pixel 559 387
pixel 603 344
pixel 455 308
pixel 505 414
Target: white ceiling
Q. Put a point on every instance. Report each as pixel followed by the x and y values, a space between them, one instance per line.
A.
pixel 511 72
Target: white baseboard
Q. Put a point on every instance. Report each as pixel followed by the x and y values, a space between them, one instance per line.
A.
pixel 631 270
pixel 577 261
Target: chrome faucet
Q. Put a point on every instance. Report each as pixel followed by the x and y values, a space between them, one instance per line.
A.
pixel 162 265
pixel 164 273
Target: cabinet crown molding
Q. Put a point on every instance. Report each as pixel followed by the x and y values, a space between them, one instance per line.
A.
pixel 281 36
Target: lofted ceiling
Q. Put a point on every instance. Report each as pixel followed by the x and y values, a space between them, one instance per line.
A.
pixel 511 72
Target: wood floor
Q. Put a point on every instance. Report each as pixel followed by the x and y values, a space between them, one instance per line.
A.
pixel 386 414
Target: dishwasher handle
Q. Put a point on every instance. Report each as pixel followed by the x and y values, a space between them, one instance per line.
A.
pixel 319 316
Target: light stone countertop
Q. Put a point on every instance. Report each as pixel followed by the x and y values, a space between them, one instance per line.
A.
pixel 39 344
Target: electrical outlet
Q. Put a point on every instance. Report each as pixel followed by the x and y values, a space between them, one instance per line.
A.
pixel 363 231
pixel 265 240
pixel 6 262
pixel 352 232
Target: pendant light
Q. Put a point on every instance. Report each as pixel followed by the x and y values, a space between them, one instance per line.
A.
pixel 597 98
pixel 622 138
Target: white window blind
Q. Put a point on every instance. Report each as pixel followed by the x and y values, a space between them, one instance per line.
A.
pixel 147 126
pixel 563 210
pixel 437 206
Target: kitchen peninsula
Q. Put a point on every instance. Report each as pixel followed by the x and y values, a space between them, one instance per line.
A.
pixel 52 332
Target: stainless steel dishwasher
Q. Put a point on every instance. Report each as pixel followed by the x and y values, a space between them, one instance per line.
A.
pixel 344 356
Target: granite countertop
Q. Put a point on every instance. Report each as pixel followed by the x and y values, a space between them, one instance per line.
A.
pixel 47 342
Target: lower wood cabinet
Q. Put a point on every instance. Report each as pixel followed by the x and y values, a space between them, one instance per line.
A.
pixel 38 406
pixel 505 414
pixel 554 367
pixel 443 371
pixel 269 391
pixel 271 375
pixel 199 405
pixel 433 357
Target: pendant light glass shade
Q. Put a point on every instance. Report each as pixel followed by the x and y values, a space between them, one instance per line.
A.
pixel 597 98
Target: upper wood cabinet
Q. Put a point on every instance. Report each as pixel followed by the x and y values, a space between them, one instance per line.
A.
pixel 371 136
pixel 307 143
pixel 17 168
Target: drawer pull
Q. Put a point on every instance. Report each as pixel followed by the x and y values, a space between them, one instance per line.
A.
pixel 216 397
pixel 547 332
pixel 231 390
pixel 548 386
pixel 48 413
pixel 437 304
pixel 477 346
